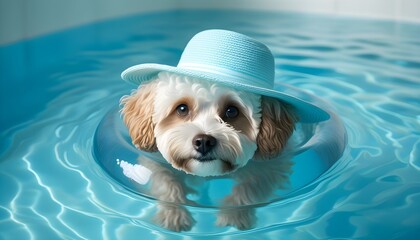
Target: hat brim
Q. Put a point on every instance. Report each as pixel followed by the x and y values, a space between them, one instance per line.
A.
pixel 308 112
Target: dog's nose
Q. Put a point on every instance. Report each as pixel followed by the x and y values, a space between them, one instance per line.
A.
pixel 204 143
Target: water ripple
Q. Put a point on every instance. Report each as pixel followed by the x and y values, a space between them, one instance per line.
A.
pixel 54 189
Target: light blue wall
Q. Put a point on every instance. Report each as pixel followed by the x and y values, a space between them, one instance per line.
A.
pixel 20 19
pixel 27 18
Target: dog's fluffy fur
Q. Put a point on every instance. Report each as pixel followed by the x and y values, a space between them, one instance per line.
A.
pixel 168 113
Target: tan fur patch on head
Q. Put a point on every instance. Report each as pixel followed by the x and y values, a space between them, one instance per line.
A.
pixel 277 125
pixel 137 113
pixel 241 123
pixel 173 117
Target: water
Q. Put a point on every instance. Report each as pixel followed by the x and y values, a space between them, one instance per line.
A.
pixel 56 89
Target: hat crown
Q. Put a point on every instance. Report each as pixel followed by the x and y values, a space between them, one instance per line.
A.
pixel 231 54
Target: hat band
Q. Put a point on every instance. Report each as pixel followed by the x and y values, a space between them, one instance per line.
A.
pixel 230 75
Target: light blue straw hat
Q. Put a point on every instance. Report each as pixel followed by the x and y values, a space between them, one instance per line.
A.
pixel 231 59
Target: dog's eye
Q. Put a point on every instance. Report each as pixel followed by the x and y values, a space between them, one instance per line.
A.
pixel 231 112
pixel 182 110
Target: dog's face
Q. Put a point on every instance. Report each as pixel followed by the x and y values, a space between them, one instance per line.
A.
pixel 204 128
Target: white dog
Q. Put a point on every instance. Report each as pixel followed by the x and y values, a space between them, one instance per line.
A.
pixel 206 129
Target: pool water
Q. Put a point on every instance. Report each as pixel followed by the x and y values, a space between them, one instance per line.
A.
pixel 56 89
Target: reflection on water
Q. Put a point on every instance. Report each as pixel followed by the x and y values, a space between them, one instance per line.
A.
pixel 369 71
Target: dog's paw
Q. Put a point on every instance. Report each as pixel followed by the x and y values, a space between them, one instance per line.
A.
pixel 241 218
pixel 174 218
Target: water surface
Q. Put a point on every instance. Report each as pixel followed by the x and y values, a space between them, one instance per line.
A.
pixel 56 89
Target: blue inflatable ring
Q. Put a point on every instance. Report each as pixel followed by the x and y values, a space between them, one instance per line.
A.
pixel 319 146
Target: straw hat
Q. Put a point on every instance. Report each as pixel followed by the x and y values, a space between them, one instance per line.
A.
pixel 231 59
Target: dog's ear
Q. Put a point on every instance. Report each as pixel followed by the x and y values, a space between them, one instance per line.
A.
pixel 137 112
pixel 277 125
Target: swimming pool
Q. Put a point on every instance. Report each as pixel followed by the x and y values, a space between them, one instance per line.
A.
pixel 54 98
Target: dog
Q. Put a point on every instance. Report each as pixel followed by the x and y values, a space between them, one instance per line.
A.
pixel 207 129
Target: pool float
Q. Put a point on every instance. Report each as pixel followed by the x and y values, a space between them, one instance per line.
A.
pixel 241 63
pixel 317 147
